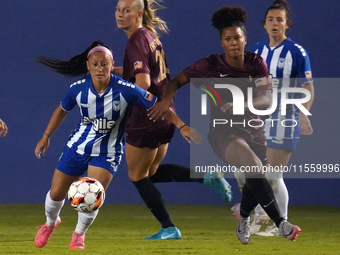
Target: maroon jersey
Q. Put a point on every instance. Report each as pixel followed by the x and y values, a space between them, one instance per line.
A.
pixel 253 74
pixel 144 54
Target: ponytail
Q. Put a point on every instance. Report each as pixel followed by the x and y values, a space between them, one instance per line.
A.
pixel 76 66
pixel 150 20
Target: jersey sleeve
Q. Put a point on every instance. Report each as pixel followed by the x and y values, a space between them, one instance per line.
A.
pixel 138 51
pixel 303 66
pixel 135 95
pixel 197 70
pixel 69 101
pixel 144 98
pixel 261 75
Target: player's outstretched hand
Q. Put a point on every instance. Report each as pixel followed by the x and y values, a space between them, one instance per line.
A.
pixel 3 128
pixel 42 146
pixel 228 107
pixel 191 134
pixel 305 124
pixel 158 110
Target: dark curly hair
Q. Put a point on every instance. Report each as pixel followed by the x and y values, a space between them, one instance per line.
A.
pixel 76 66
pixel 280 5
pixel 229 16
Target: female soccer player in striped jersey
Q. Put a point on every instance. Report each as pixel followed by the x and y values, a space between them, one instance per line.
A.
pixel 289 66
pixel 236 145
pixel 147 142
pixel 97 144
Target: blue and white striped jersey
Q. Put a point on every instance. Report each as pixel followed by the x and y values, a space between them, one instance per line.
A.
pixel 101 129
pixel 289 66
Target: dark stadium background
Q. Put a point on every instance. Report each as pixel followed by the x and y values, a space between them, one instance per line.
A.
pixel 29 93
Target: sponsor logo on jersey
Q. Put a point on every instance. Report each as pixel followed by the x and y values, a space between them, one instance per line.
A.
pixel 148 96
pixel 102 125
pixel 261 82
pixel 138 65
pixel 116 105
pixel 281 63
pixel 308 74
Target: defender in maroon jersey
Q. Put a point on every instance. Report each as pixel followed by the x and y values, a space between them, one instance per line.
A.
pixel 236 145
pixel 254 69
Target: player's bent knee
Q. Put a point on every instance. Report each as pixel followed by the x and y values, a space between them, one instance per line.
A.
pixel 57 195
pixel 136 176
pixel 273 176
pixel 241 180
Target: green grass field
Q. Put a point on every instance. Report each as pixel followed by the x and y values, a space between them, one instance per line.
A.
pixel 206 230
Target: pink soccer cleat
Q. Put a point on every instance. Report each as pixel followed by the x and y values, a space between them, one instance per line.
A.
pixel 77 241
pixel 44 233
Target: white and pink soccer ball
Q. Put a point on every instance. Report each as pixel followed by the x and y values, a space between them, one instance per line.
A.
pixel 86 194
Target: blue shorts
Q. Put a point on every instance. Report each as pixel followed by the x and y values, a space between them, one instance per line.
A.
pixel 75 164
pixel 285 144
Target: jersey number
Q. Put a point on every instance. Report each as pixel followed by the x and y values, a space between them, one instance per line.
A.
pixel 163 70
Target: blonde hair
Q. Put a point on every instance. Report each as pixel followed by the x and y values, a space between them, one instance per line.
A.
pixel 150 20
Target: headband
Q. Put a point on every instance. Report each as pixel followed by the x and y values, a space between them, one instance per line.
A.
pixel 100 49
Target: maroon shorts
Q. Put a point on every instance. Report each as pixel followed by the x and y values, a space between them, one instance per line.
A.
pixel 219 142
pixel 151 137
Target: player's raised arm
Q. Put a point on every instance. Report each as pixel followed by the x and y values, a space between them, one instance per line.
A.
pixel 160 108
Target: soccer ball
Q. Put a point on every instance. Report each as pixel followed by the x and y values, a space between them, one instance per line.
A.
pixel 86 195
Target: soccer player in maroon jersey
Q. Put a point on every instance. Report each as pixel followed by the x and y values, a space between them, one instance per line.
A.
pixel 146 141
pixel 236 145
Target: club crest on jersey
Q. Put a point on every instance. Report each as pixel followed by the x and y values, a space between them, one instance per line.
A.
pixel 148 96
pixel 138 65
pixel 281 63
pixel 116 105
